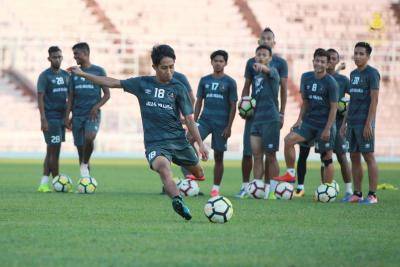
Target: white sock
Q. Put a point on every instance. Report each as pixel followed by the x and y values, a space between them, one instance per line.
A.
pixel 44 180
pixel 291 171
pixel 273 183
pixel 349 188
pixel 245 185
pixel 267 188
pixel 215 187
pixel 300 186
pixel 84 170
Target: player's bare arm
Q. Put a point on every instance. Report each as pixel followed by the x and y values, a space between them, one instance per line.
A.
pixel 100 80
pixel 43 121
pixel 368 133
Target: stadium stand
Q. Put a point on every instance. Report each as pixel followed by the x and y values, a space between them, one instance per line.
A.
pixel 122 32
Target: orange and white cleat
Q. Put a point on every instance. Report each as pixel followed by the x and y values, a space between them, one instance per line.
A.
pixel 287 177
pixel 194 178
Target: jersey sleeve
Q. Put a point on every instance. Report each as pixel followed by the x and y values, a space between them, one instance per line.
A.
pixel 248 70
pixel 374 80
pixel 283 70
pixel 233 97
pixel 184 103
pixel 42 83
pixel 131 85
pixel 102 72
pixel 200 89
pixel 186 83
pixel 273 73
pixel 333 91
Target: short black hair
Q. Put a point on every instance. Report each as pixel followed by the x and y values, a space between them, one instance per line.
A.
pixel 53 49
pixel 82 46
pixel 332 50
pixel 161 51
pixel 268 29
pixel 320 52
pixel 222 53
pixel 264 47
pixel 366 45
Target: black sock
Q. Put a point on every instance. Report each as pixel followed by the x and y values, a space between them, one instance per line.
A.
pixel 357 193
pixel 302 164
pixel 371 193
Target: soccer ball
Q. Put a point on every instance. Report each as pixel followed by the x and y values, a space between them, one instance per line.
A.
pixel 336 186
pixel 325 193
pixel 218 209
pixel 87 185
pixel 342 105
pixel 62 183
pixel 188 188
pixel 256 189
pixel 246 107
pixel 284 191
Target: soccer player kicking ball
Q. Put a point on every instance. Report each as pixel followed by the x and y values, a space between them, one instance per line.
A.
pixel 161 98
pixel 52 87
pixel 364 91
pixel 316 119
pixel 84 101
pixel 266 123
pixel 341 145
pixel 218 91
pixel 267 38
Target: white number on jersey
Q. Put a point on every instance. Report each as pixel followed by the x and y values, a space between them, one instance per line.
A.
pixel 314 87
pixel 214 86
pixel 59 80
pixel 159 93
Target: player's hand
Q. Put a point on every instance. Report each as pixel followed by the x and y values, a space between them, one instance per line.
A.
pixel 282 119
pixel 342 66
pixel 227 132
pixel 326 133
pixel 94 113
pixel 75 70
pixel 68 123
pixel 368 134
pixel 44 125
pixel 343 129
pixel 203 152
pixel 182 119
pixel 295 125
pixel 258 67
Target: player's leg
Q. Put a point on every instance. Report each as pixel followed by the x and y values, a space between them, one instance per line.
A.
pixel 160 161
pixel 54 159
pixel 78 132
pixel 162 165
pixel 302 169
pixel 346 172
pixel 270 138
pixel 369 158
pixel 290 153
pixel 356 166
pixel 247 160
pixel 218 172
pixel 91 128
pixel 326 159
pixel 258 156
pixel 44 181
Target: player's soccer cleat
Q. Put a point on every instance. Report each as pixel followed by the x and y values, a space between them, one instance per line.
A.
pixel 181 208
pixel 242 193
pixel 44 188
pixel 286 178
pixel 354 199
pixel 299 193
pixel 346 197
pixel 192 177
pixel 370 199
pixel 214 193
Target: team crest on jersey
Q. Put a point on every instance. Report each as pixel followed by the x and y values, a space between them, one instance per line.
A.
pixel 53 81
pixel 82 79
pixel 207 86
pixel 171 95
pixel 222 87
pixel 148 91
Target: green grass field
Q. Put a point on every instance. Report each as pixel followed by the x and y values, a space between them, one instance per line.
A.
pixel 127 223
